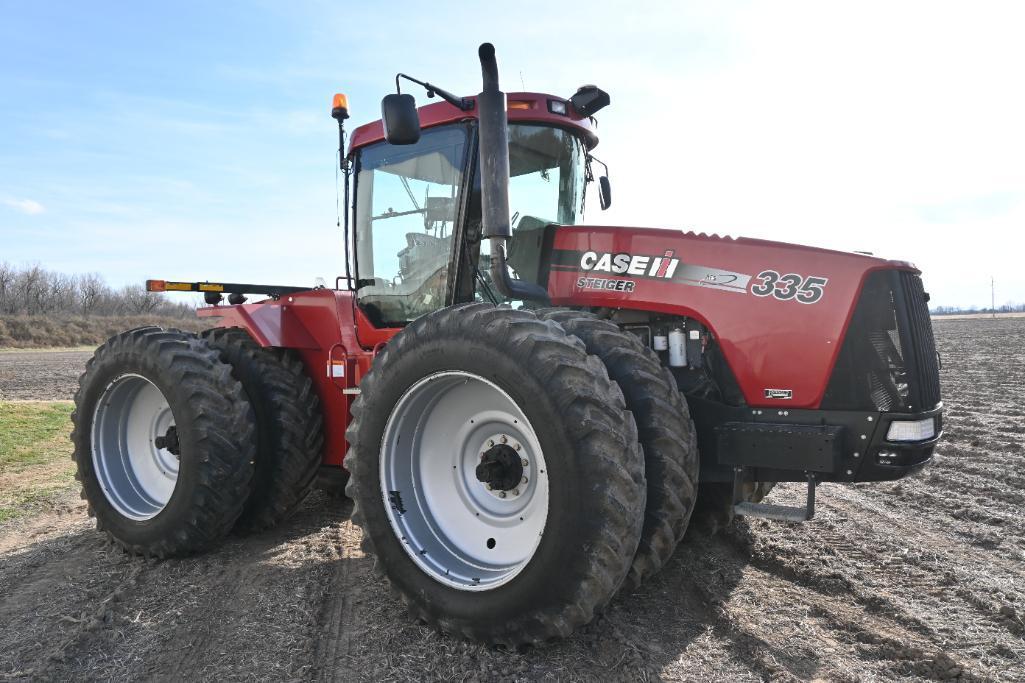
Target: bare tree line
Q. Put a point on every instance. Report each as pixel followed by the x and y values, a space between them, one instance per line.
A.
pixel 34 290
pixel 953 310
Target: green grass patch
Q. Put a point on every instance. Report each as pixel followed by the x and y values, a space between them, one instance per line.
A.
pixel 35 449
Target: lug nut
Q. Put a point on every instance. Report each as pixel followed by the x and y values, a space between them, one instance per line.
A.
pixel 491 442
pixel 524 462
pixel 517 447
pixel 501 494
pixel 489 486
pixel 523 481
pixel 516 492
pixel 505 439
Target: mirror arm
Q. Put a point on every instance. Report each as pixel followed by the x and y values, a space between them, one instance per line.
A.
pixel 463 103
pixel 591 157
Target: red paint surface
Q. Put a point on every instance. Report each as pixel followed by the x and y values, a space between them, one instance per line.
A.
pixel 321 325
pixel 767 342
pixel 440 113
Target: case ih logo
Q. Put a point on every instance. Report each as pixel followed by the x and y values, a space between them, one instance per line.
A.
pixel 630 264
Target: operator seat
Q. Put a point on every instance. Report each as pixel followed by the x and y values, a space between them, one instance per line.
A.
pixel 524 254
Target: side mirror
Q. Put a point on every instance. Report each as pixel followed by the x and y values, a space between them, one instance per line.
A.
pixel 589 99
pixel 604 192
pixel 401 122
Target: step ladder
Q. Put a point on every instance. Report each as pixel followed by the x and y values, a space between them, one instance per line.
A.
pixel 782 513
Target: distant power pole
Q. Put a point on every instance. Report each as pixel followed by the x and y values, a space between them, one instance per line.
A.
pixel 992 296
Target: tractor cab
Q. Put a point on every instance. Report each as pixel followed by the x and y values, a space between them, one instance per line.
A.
pixel 417 209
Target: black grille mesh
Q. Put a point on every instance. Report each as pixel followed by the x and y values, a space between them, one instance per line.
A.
pixel 888 359
pixel 926 387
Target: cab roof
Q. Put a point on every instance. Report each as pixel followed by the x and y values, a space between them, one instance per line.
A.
pixel 522 107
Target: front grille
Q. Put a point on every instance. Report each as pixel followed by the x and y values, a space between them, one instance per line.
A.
pixel 925 390
pixel 888 358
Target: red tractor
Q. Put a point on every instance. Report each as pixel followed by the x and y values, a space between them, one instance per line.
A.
pixel 527 410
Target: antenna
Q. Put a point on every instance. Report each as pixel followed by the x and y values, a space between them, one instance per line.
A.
pixel 992 296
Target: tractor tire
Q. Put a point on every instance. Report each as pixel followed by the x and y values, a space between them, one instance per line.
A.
pixel 164 441
pixel 526 521
pixel 665 430
pixel 289 425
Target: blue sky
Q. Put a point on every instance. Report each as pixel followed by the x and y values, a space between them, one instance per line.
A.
pixel 193 140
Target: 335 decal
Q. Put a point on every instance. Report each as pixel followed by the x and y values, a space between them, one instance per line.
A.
pixel 805 290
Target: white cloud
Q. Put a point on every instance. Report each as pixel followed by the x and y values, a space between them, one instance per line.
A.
pixel 26 206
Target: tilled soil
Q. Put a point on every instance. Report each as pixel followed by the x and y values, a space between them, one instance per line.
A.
pixel 40 375
pixel 919 579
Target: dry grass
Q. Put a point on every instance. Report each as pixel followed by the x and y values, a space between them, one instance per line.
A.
pixel 32 332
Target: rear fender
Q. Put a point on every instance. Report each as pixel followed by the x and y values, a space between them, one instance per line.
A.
pixel 319 326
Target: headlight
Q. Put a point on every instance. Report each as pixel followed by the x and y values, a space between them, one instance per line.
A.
pixel 557 107
pixel 906 430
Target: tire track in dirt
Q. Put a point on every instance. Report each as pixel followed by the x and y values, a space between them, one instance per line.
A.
pixel 885 631
pixel 910 583
pixel 337 621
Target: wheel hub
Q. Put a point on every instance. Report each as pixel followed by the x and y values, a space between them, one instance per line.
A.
pixel 169 441
pixel 500 468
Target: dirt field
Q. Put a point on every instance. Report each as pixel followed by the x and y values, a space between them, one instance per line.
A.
pixel 40 375
pixel 923 579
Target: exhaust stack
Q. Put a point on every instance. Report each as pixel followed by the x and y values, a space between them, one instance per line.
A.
pixel 494 179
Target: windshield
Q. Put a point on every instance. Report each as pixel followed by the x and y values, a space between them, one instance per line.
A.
pixel 407 203
pixel 547 180
pixel 406 206
pixel 546 169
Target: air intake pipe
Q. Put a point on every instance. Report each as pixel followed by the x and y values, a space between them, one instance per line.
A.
pixel 494 179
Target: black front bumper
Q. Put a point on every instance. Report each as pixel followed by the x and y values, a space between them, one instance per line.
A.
pixel 788 445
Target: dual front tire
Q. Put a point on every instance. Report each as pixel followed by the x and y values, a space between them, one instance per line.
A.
pixel 499 476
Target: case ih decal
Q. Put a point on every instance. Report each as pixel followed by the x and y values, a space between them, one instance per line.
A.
pixel 606 284
pixel 715 278
pixel 662 267
pixel 631 264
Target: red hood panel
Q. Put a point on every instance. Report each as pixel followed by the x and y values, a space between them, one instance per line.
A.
pixel 779 311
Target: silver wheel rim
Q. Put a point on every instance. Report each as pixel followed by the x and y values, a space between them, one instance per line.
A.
pixel 456 529
pixel 136 476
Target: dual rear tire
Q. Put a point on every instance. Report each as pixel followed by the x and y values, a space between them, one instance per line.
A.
pixel 180 439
